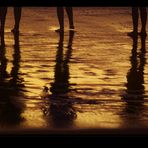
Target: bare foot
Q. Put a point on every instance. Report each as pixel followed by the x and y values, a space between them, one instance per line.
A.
pixel 132 34
pixel 14 30
pixel 72 28
pixel 59 30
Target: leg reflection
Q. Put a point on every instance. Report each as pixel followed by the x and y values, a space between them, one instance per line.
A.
pixel 16 80
pixel 10 106
pixel 61 110
pixel 135 91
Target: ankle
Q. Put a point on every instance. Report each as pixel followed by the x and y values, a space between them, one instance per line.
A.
pixel 15 30
pixel 59 30
pixel 143 31
pixel 72 27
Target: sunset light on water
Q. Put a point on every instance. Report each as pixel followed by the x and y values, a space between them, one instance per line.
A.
pixel 90 78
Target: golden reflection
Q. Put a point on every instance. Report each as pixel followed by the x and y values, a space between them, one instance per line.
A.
pixel 97 119
pixel 11 86
pixel 135 91
pixel 33 118
pixel 59 108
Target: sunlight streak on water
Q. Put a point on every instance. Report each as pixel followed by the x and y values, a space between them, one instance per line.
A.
pixel 93 83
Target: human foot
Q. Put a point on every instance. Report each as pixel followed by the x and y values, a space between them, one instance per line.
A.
pixel 59 30
pixel 132 34
pixel 72 28
pixel 15 30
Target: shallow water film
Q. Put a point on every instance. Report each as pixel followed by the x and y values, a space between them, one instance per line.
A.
pixel 95 77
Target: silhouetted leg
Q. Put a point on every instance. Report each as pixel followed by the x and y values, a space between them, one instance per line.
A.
pixel 60 14
pixel 143 14
pixel 3 11
pixel 135 16
pixel 70 16
pixel 17 17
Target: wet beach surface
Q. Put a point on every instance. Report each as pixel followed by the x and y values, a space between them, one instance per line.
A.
pixel 94 78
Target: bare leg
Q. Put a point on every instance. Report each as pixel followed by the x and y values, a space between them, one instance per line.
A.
pixel 135 16
pixel 17 17
pixel 70 17
pixel 3 12
pixel 143 14
pixel 60 14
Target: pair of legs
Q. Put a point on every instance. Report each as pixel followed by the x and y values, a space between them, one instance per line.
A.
pixel 17 17
pixel 60 14
pixel 135 17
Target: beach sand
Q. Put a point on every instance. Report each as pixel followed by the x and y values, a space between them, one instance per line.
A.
pixel 98 78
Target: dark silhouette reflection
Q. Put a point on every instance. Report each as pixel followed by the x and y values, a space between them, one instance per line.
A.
pixel 10 86
pixel 134 96
pixel 61 109
pixel 61 84
pixel 16 81
pixel 135 16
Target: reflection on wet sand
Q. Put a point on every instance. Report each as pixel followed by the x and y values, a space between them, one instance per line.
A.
pixel 135 92
pixel 61 109
pixel 84 82
pixel 10 87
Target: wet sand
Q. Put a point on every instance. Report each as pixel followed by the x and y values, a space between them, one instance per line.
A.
pixel 98 82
